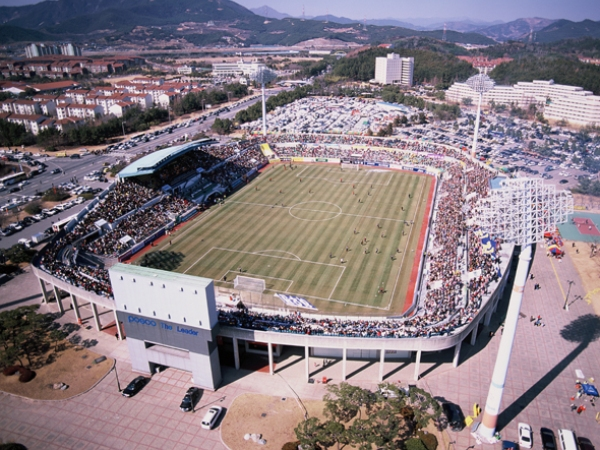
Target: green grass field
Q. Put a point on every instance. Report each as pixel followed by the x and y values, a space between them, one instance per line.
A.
pixel 293 228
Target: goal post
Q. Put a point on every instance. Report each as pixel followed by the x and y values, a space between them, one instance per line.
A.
pixel 243 283
pixel 350 166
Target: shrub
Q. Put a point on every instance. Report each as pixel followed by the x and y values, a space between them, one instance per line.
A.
pixel 414 444
pixel 291 445
pixel 26 375
pixel 11 370
pixel 429 440
pixel 55 195
pixel 33 207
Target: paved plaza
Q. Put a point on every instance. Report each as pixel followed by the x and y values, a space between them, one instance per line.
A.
pixel 540 382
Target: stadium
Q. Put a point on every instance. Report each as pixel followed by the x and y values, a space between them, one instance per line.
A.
pixel 328 245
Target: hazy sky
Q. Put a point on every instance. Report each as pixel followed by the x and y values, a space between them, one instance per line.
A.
pixel 486 10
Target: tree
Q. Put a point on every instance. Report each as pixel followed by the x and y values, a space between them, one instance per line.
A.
pixel 343 402
pixel 222 126
pixel 467 101
pixel 22 335
pixel 308 432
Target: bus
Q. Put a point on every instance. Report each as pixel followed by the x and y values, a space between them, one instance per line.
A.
pixel 57 226
pixel 13 178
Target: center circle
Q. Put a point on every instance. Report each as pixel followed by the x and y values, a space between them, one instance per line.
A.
pixel 315 211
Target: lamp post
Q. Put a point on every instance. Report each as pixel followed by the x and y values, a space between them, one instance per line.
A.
pixel 117 376
pixel 521 211
pixel 566 305
pixel 264 76
pixel 480 83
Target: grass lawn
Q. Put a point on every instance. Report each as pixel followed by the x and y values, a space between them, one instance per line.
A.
pixel 303 232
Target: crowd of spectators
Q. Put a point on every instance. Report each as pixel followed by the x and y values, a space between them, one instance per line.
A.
pixel 137 227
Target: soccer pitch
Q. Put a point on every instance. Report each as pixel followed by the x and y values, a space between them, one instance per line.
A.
pixel 344 240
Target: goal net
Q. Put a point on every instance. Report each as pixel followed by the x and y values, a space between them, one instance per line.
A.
pixel 249 284
pixel 350 166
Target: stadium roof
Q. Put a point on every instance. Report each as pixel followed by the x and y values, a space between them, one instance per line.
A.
pixel 154 161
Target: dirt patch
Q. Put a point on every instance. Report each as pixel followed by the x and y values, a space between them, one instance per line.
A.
pixel 273 417
pixel 588 269
pixel 74 366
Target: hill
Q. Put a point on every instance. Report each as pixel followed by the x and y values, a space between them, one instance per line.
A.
pixel 516 30
pixel 565 29
pixel 10 34
pixel 268 12
pixel 92 15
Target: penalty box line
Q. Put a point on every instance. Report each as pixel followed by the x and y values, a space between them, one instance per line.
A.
pixel 296 259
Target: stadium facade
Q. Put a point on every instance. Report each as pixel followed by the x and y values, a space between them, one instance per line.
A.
pixel 171 319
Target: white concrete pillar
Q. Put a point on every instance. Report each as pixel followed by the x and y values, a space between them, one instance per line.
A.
pixel 271 371
pixel 344 359
pixel 417 365
pixel 381 363
pixel 456 355
pixel 75 308
pixel 236 354
pixel 58 300
pixel 96 318
pixel 117 323
pixel 307 361
pixel 487 429
pixel 474 333
pixel 488 317
pixel 44 293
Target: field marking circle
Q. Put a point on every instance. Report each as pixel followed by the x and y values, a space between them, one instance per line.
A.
pixel 339 212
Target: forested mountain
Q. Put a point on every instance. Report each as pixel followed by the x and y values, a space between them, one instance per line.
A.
pixel 561 69
pixel 565 29
pixel 57 16
pixel 430 67
pixel 519 29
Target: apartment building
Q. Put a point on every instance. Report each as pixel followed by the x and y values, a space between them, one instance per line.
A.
pixel 394 69
pixel 557 101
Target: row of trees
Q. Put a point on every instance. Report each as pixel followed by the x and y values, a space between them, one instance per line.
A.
pixel 196 101
pixel 440 111
pixel 26 336
pixel 254 112
pixel 359 418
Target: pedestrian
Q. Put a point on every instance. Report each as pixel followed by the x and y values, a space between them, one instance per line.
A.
pixel 346 248
pixel 239 268
pixel 341 180
pixel 341 260
pixel 170 243
pixel 224 277
pixel 531 277
pixel 117 336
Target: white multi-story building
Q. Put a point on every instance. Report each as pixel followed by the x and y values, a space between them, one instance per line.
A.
pixel 394 69
pixel 557 101
pixel 237 69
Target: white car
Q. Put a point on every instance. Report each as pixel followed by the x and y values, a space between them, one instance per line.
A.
pixel 211 417
pixel 525 435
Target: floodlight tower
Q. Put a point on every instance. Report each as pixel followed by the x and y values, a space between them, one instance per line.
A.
pixel 481 84
pixel 264 76
pixel 521 211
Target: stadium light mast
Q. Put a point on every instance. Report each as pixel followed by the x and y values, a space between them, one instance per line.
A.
pixel 264 76
pixel 521 211
pixel 481 84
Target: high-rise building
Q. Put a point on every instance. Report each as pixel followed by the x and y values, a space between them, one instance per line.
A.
pixel 394 69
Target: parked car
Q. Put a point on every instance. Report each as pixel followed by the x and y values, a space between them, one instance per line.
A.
pixel 211 417
pixel 190 398
pixel 55 171
pixel 548 439
pixel 525 435
pixel 456 419
pixel 134 386
pixel 585 444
